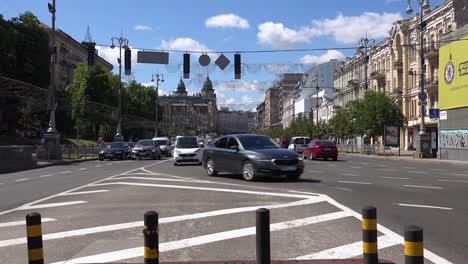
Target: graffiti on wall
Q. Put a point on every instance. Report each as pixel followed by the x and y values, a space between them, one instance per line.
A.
pixel 457 138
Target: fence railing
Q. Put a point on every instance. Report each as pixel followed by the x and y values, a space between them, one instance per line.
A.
pixel 70 152
pixel 368 149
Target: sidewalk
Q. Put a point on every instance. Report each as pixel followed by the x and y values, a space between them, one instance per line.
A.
pixel 42 164
pixel 409 156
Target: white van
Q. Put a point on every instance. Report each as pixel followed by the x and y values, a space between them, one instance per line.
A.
pixel 165 145
pixel 298 144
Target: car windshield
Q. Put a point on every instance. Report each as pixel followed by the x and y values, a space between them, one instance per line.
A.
pixel 145 143
pixel 187 142
pixel 114 145
pixel 324 143
pixel 161 142
pixel 258 142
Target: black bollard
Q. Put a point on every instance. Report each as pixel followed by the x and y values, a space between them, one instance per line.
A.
pixel 263 236
pixel 34 238
pixel 414 247
pixel 151 234
pixel 369 235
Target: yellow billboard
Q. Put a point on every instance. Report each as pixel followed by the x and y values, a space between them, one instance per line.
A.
pixel 453 74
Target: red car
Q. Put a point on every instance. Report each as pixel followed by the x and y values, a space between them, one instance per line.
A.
pixel 321 149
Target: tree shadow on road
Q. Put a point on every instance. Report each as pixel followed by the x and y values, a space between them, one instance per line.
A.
pixel 275 179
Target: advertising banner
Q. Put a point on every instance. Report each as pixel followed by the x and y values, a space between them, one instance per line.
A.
pixel 392 136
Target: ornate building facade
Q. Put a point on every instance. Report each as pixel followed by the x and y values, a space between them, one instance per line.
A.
pixel 184 114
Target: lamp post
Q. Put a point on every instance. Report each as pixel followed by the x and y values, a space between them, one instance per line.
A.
pixel 422 149
pixel 317 88
pixel 364 44
pixel 123 43
pixel 158 78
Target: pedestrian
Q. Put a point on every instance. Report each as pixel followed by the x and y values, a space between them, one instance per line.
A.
pixel 42 140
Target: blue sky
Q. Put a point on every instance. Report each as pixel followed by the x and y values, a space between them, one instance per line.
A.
pixel 223 25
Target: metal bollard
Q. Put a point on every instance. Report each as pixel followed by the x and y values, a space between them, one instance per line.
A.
pixel 34 238
pixel 369 235
pixel 414 247
pixel 263 236
pixel 151 234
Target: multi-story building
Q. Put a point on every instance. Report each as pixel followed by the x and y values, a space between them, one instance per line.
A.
pixel 235 122
pixel 325 110
pixel 272 110
pixel 182 114
pixel 286 84
pixel 349 80
pixel 70 53
pixel 317 82
pixel 260 117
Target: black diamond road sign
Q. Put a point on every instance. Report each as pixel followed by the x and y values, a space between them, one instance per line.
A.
pixel 222 62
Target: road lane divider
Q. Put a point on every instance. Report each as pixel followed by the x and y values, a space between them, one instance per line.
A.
pixel 423 187
pixel 414 247
pixel 453 181
pixel 34 238
pixel 85 192
pixel 369 235
pixel 394 178
pixel 425 206
pixel 355 182
pixel 22 222
pixel 21 180
pixel 49 205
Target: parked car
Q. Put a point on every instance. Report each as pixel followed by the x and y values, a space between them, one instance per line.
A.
pixel 165 145
pixel 131 145
pixel 298 144
pixel 146 148
pixel 252 156
pixel 115 150
pixel 325 149
pixel 187 151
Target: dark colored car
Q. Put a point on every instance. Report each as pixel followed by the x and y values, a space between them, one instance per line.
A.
pixel 146 148
pixel 324 149
pixel 252 156
pixel 115 150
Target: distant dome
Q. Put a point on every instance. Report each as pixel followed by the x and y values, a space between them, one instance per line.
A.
pixel 207 85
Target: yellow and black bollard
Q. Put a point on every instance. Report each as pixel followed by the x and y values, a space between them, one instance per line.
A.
pixel 34 238
pixel 369 235
pixel 414 247
pixel 151 234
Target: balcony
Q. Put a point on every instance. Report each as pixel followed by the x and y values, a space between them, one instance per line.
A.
pixel 377 75
pixel 353 83
pixel 431 52
pixel 398 65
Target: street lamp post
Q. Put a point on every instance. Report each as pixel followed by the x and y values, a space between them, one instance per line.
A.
pixel 123 43
pixel 424 6
pixel 364 44
pixel 158 78
pixel 52 135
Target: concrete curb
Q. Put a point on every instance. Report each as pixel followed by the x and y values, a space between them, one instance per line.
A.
pixel 61 162
pixel 409 158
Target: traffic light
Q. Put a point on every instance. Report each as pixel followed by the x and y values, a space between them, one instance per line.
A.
pixel 91 52
pixel 237 66
pixel 128 61
pixel 186 65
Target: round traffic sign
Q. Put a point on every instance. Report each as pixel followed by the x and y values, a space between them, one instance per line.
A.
pixel 422 96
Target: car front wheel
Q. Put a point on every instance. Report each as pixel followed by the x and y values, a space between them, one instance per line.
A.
pixel 248 171
pixel 210 169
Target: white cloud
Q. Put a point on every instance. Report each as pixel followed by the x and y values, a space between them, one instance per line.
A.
pixel 227 21
pixel 143 28
pixel 344 29
pixel 246 99
pixel 241 86
pixel 184 44
pixel 231 100
pixel 329 55
pixel 111 55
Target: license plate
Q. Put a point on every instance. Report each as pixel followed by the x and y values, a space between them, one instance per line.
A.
pixel 288 168
pixel 327 149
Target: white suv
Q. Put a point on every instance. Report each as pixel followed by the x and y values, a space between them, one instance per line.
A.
pixel 187 151
pixel 165 145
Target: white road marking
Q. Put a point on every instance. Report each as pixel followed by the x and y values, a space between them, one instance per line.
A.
pixel 100 229
pixel 364 163
pixel 423 187
pixel 98 166
pixel 205 239
pixel 410 168
pixel 417 172
pixel 21 180
pixel 332 165
pixel 85 192
pixel 453 181
pixel 348 251
pixel 425 206
pixel 64 172
pixel 74 189
pixel 394 178
pixel 45 176
pixel 356 167
pixel 82 169
pixel 39 206
pixel 204 189
pixel 159 179
pixel 312 171
pixel 354 182
pixel 23 222
pixel 348 174
pixel 386 170
pixel 437 170
pixel 382 165
pixel 460 175
pixel 108 164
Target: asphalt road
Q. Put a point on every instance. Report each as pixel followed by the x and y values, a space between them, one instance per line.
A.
pixel 93 211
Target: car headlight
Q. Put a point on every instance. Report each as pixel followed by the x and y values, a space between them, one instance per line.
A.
pixel 197 150
pixel 101 152
pixel 179 152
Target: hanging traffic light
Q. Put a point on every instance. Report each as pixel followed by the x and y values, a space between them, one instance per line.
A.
pixel 128 61
pixel 91 52
pixel 186 66
pixel 237 66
